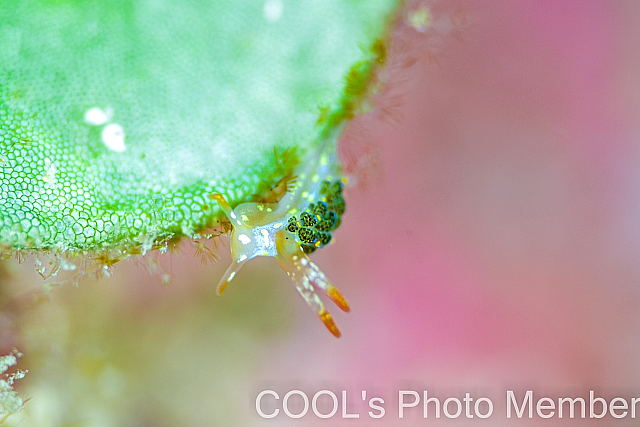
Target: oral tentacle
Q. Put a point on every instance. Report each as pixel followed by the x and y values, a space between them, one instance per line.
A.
pixel 229 275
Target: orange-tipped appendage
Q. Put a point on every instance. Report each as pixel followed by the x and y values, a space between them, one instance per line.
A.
pixel 224 205
pixel 229 275
pixel 337 298
pixel 329 323
pixel 221 287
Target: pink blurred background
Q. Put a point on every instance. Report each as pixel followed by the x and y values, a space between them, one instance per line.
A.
pixel 498 249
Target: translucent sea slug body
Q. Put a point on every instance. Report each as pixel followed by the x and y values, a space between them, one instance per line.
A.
pixel 302 220
pixel 289 229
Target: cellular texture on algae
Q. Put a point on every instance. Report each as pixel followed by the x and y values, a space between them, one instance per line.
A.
pixel 118 119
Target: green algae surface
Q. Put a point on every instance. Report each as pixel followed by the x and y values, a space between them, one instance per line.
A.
pixel 118 119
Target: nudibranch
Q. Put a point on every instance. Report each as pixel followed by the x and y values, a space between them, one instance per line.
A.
pixel 291 228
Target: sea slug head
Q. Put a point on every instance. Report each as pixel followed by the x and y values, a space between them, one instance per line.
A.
pixel 253 234
pixel 283 232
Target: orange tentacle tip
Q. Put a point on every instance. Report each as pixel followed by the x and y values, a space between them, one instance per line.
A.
pixel 289 227
pixel 338 299
pixel 330 324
